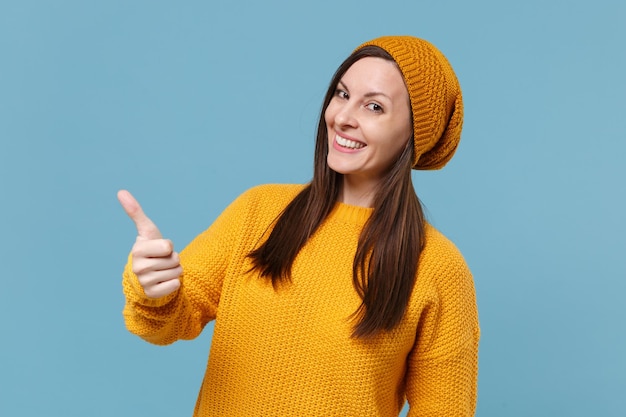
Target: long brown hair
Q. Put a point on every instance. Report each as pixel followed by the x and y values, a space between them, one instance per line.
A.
pixel 385 264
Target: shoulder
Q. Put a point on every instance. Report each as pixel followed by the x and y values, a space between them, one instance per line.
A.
pixel 436 243
pixel 266 199
pixel 252 212
pixel 275 191
pixel 270 196
pixel 441 262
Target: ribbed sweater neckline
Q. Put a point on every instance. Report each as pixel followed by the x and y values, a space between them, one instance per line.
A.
pixel 350 214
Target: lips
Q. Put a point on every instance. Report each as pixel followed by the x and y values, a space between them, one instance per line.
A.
pixel 347 143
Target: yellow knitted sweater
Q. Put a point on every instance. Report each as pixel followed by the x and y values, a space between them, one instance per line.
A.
pixel 288 352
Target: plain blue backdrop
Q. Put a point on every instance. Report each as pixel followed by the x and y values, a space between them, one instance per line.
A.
pixel 189 103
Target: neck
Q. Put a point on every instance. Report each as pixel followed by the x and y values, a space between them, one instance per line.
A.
pixel 358 192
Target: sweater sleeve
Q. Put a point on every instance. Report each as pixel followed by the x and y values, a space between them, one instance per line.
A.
pixel 443 366
pixel 205 261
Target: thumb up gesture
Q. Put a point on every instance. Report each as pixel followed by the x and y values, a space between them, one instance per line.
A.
pixel 155 262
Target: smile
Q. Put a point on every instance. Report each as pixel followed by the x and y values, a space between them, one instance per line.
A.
pixel 347 143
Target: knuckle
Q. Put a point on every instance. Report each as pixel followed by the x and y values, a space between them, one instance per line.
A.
pixel 135 250
pixel 143 281
pixel 139 266
pixel 177 271
pixel 168 246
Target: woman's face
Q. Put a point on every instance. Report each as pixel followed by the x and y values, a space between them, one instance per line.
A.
pixel 368 120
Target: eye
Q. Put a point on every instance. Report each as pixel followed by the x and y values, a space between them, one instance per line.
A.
pixel 375 107
pixel 341 94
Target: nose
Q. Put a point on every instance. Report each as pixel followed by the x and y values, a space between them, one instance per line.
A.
pixel 345 116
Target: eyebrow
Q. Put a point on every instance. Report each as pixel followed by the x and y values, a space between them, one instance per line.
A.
pixel 369 94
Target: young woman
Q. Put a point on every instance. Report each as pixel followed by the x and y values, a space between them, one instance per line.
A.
pixel 333 298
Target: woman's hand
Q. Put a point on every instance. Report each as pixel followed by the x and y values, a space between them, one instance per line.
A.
pixel 154 260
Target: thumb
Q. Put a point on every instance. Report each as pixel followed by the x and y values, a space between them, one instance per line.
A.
pixel 145 227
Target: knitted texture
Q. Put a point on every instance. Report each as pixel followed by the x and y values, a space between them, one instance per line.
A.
pixel 435 96
pixel 288 351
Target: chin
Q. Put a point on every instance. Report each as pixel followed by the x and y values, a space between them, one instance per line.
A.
pixel 337 167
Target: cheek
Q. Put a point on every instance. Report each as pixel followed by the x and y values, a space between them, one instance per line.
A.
pixel 327 116
pixel 396 144
pixel 330 113
pixel 402 135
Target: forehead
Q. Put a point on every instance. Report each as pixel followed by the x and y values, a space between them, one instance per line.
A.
pixel 375 74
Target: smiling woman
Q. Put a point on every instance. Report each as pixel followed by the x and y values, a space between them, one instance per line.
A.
pixel 369 123
pixel 333 298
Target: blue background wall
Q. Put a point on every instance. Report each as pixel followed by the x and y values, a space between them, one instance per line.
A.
pixel 189 103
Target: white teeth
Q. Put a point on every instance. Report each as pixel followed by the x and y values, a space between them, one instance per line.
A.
pixel 346 143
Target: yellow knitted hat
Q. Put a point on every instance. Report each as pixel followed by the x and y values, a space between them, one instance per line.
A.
pixel 435 96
